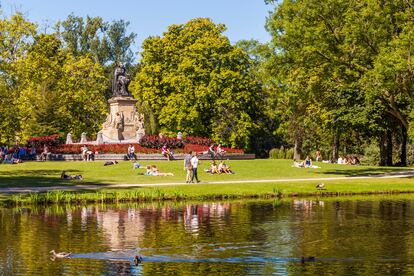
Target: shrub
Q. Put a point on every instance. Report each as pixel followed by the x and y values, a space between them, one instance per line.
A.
pixel 289 153
pixel 273 153
pixel 371 155
pixel 282 153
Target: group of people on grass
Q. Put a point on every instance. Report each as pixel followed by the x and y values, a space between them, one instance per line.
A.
pixel 348 160
pixel 307 163
pixel 17 154
pixel 219 169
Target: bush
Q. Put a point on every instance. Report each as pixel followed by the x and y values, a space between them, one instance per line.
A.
pixel 273 153
pixel 289 153
pixel 371 155
pixel 282 153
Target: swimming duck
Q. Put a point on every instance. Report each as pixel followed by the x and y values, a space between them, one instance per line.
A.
pixel 137 260
pixel 60 254
pixel 307 259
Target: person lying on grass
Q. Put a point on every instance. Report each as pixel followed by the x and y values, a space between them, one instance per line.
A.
pixel 109 163
pixel 65 176
pixel 153 171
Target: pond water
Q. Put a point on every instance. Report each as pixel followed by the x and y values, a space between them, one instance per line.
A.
pixel 348 236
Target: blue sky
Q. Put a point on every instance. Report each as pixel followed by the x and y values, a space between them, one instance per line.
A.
pixel 244 19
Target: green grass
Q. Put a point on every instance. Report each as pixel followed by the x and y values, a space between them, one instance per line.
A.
pixel 47 174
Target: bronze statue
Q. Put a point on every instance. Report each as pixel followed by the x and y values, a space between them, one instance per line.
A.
pixel 120 82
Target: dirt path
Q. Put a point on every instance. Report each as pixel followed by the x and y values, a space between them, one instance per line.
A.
pixel 120 186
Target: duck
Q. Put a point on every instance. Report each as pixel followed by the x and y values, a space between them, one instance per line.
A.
pixel 60 254
pixel 307 259
pixel 137 260
pixel 320 186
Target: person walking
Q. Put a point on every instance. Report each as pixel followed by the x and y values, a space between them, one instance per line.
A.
pixel 187 166
pixel 194 165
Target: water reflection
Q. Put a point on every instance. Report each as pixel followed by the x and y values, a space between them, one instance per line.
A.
pixel 235 238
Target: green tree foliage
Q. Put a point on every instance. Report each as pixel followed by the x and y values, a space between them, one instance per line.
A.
pixel 15 37
pixel 108 43
pixel 196 82
pixel 343 68
pixel 59 92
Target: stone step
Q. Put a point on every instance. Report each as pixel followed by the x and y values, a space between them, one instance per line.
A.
pixel 109 156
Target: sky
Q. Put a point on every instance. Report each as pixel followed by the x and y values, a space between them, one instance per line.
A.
pixel 244 19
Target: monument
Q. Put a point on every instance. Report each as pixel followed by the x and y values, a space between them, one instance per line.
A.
pixel 123 124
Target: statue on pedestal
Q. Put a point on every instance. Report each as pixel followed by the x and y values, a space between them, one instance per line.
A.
pixel 120 82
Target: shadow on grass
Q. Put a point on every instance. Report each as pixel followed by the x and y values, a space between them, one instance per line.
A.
pixel 35 172
pixel 370 171
pixel 42 180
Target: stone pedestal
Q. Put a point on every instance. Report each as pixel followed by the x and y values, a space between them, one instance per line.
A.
pixel 123 122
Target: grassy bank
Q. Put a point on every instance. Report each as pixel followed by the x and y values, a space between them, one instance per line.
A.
pixel 216 192
pixel 36 174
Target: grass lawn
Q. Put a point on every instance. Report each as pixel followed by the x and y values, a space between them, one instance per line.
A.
pixel 48 173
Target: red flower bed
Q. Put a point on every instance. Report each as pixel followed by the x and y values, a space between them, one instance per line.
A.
pixel 202 148
pixel 198 141
pixel 50 140
pixel 123 149
pixel 105 148
pixel 157 142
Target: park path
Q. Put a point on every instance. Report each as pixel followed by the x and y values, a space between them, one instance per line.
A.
pixel 120 186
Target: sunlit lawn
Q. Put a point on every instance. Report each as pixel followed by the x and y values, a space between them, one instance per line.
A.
pixel 48 173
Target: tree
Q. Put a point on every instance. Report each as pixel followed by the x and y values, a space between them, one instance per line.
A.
pixel 329 57
pixel 60 93
pixel 16 35
pixel 196 82
pixel 108 43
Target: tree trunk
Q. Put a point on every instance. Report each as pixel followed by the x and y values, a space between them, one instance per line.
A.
pixel 298 148
pixel 335 149
pixel 383 156
pixel 403 156
pixel 388 154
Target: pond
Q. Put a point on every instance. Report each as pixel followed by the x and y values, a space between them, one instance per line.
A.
pixel 347 236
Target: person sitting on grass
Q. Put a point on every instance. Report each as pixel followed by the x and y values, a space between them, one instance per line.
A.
pixel 308 162
pixel 213 168
pixel 109 163
pixel 65 176
pixel 223 168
